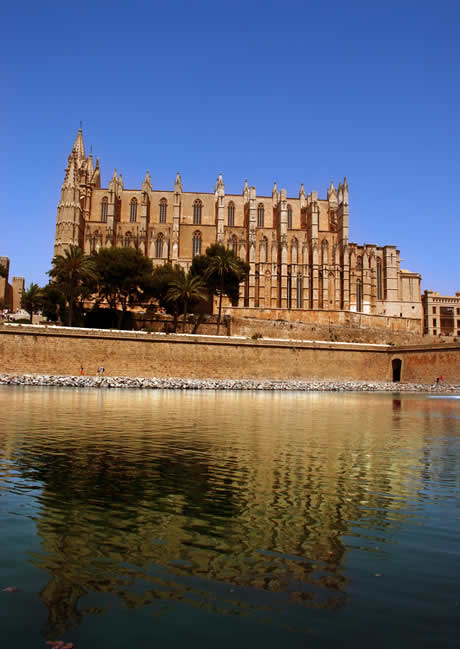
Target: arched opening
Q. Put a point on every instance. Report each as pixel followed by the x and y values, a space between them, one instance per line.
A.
pixel 396 365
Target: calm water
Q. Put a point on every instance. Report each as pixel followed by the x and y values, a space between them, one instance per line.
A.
pixel 215 520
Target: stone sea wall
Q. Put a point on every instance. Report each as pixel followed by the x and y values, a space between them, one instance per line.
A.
pixel 62 351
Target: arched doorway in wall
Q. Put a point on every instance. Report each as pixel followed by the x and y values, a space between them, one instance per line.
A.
pixel 396 366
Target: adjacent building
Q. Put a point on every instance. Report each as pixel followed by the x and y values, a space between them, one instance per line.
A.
pixel 441 314
pixel 10 294
pixel 303 265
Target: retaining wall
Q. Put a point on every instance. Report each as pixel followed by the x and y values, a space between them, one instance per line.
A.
pixel 49 350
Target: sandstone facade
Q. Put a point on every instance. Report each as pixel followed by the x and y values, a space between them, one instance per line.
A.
pixel 298 248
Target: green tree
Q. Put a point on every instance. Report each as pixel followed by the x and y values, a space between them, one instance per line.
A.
pixel 31 299
pixel 162 278
pixel 223 272
pixel 123 278
pixel 72 272
pixel 188 289
pixel 53 303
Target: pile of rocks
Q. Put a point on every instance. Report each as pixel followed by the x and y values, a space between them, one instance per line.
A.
pixel 313 385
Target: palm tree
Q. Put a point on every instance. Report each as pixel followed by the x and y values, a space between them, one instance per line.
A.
pixel 225 267
pixel 31 299
pixel 186 288
pixel 70 271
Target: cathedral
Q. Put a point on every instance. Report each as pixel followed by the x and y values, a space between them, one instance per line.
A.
pixel 302 264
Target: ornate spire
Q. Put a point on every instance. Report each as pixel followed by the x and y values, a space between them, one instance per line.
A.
pixel 69 180
pixel 79 146
pixel 178 183
pixel 90 166
pixel 302 191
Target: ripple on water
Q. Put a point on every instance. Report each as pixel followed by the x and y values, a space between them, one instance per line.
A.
pixel 281 507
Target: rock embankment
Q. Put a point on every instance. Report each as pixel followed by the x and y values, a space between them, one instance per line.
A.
pixel 313 385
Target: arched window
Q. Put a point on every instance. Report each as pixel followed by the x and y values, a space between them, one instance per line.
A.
pixel 231 214
pixel 128 239
pixel 159 246
pixel 197 207
pixel 289 214
pixel 359 263
pixel 235 244
pixel 359 296
pixel 299 291
pixel 379 279
pixel 163 210
pixel 104 209
pixel 260 216
pixel 196 243
pixel 95 240
pixel 133 211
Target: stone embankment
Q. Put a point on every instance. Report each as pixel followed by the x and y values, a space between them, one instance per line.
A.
pixel 314 385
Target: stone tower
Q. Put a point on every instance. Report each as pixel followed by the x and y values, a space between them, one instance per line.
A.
pixel 81 177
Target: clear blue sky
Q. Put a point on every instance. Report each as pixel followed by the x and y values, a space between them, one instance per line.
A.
pixel 288 91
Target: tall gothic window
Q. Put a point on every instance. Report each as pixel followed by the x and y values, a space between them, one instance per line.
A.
pixel 231 214
pixel 104 209
pixel 196 243
pixel 133 211
pixel 359 263
pixel 289 215
pixel 359 295
pixel 289 292
pixel 235 244
pixel 299 292
pixel 379 279
pixel 197 207
pixel 159 246
pixel 260 216
pixel 163 210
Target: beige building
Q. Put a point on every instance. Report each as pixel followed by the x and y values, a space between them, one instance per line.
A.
pixel 298 248
pixel 442 314
pixel 10 294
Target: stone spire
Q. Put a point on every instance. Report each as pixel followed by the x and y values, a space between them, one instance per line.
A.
pixel 219 184
pixel 345 191
pixel 332 195
pixel 178 183
pixel 275 194
pixel 147 183
pixel 79 147
pixel 70 173
pixel 90 166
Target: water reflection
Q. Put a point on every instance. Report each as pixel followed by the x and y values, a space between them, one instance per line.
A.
pixel 227 501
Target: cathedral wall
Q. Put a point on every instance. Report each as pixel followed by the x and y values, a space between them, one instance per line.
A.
pixel 325 317
pixel 45 351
